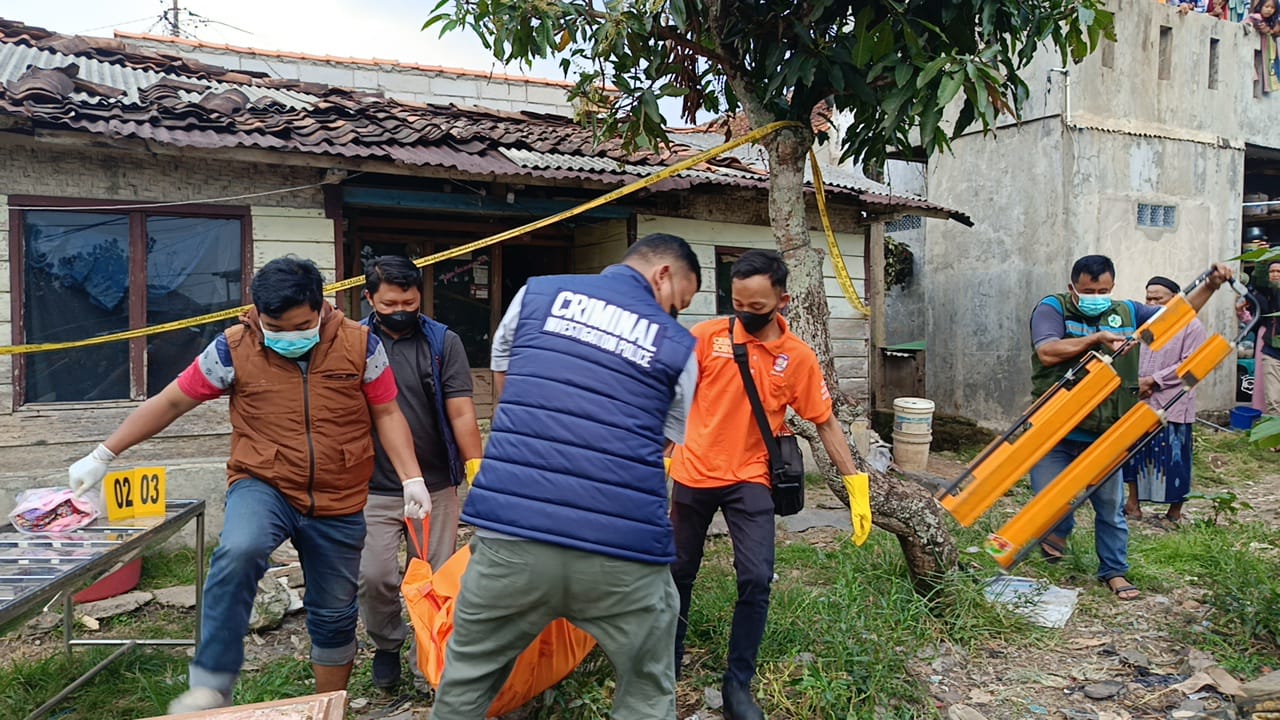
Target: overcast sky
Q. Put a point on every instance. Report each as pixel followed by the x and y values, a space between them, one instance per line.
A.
pixel 386 29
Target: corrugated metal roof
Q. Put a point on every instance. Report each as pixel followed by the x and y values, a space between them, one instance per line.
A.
pixel 15 59
pixel 108 87
pixel 1138 128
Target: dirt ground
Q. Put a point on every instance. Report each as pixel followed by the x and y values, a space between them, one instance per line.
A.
pixel 1127 654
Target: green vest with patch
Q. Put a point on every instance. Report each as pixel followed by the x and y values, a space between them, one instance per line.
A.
pixel 1119 319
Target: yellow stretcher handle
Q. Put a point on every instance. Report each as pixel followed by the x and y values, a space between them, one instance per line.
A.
pixel 1007 463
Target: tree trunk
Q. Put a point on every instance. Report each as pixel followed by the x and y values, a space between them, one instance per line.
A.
pixel 902 507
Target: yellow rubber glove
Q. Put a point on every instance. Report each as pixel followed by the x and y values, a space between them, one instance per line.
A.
pixel 859 489
pixel 472 468
pixel 666 465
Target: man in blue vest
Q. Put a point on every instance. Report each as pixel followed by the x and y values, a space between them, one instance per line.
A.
pixel 594 378
pixel 1064 327
pixel 433 378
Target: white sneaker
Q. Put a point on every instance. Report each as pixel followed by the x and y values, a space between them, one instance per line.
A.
pixel 197 699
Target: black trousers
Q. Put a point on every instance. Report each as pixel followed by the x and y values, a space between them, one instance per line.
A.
pixel 748 511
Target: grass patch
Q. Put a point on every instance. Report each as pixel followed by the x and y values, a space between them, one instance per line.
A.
pixel 139 684
pixel 1227 458
pixel 1238 563
pixel 163 568
pixel 844 628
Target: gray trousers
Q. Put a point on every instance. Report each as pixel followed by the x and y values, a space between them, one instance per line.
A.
pixel 512 589
pixel 381 570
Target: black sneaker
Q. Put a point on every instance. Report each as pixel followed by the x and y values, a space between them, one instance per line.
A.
pixel 386 669
pixel 738 703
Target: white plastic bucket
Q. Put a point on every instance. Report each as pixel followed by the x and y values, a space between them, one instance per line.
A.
pixel 913 416
pixel 911 450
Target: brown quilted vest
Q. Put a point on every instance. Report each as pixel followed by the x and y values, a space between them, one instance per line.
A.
pixel 308 435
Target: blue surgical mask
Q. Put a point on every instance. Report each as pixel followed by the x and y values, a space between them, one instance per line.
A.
pixel 291 343
pixel 1094 305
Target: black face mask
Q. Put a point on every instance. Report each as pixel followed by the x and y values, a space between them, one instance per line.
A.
pixel 675 312
pixel 399 321
pixel 755 322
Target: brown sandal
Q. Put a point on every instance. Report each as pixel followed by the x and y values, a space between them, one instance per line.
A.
pixel 1126 592
pixel 1052 549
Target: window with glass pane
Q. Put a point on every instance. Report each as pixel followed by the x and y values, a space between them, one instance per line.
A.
pixel 725 258
pixel 75 286
pixel 193 268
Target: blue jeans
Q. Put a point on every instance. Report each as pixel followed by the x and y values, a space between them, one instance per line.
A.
pixel 258 520
pixel 1110 532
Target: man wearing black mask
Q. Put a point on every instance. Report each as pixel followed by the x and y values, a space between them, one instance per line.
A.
pixel 433 376
pixel 723 464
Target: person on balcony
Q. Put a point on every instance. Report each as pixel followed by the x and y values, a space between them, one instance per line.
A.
pixel 1263 18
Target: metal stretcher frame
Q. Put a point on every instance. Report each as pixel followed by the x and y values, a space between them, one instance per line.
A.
pixel 119 544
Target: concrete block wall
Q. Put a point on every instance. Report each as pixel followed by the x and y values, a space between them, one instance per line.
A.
pixel 285 222
pixel 1040 197
pixel 848 328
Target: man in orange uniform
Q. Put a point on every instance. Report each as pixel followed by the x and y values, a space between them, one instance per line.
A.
pixel 724 465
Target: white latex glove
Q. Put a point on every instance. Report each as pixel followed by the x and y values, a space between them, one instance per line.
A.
pixel 89 470
pixel 417 501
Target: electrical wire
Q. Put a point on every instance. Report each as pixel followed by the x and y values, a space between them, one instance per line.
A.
pixel 113 25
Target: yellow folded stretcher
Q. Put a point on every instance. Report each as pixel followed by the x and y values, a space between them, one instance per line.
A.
pixel 1009 457
pixel 1010 544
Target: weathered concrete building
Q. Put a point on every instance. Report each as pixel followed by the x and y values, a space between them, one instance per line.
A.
pixel 1140 153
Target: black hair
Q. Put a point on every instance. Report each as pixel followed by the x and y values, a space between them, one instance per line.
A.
pixel 1256 8
pixel 761 262
pixel 395 269
pixel 661 246
pixel 1165 283
pixel 285 283
pixel 1095 266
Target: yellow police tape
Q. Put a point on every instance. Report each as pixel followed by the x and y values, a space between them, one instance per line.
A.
pixel 837 260
pixel 837 257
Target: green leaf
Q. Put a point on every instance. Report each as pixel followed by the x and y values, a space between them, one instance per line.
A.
pixel 949 87
pixel 1266 433
pixel 930 71
pixel 902 74
pixel 1259 255
pixel 677 10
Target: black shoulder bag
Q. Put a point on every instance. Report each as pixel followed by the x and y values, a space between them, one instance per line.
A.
pixel 786 464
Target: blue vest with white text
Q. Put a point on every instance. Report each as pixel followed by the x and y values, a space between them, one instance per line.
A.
pixel 575 454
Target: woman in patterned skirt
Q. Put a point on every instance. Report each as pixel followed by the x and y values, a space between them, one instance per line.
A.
pixel 1161 471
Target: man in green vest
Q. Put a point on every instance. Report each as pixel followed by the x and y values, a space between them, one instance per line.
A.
pixel 1064 327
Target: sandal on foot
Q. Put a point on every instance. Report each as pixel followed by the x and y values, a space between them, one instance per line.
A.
pixel 1126 592
pixel 1052 549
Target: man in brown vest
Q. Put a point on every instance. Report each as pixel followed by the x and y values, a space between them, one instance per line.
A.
pixel 306 387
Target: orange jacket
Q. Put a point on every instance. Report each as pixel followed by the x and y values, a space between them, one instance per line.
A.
pixel 309 434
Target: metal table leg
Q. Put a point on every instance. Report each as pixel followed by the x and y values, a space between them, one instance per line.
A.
pixel 68 623
pixel 53 701
pixel 199 575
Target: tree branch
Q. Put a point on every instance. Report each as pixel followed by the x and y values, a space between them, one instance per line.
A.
pixel 672 35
